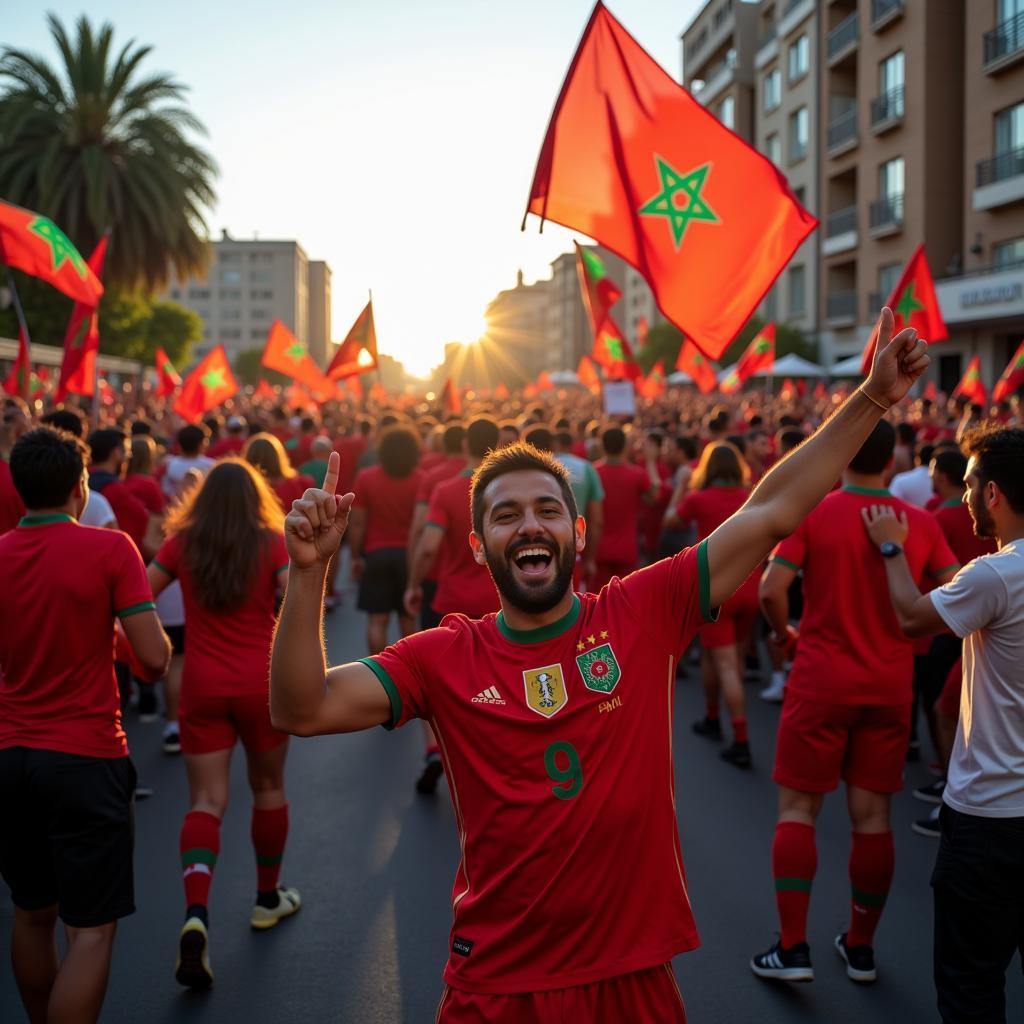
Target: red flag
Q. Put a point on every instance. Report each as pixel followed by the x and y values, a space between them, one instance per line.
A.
pixel 361 338
pixel 501 392
pixel 544 381
pixel 914 304
pixel 820 391
pixel 82 339
pixel 642 330
pixel 378 392
pixel 600 292
pixel 297 396
pixel 18 382
pixel 692 362
pixel 530 390
pixel 451 398
pixel 38 382
pixel 286 354
pixel 1012 378
pixel 787 393
pixel 653 385
pixel 612 351
pixel 971 386
pixel 759 355
pixel 209 384
pixel 931 391
pixel 587 373
pixel 634 161
pixel 167 378
pixel 107 393
pixel 264 390
pixel 36 245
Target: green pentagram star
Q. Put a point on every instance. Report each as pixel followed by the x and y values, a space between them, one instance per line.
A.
pixel 908 304
pixel 212 379
pixel 689 186
pixel 61 248
pixel 761 347
pixel 614 348
pixel 295 351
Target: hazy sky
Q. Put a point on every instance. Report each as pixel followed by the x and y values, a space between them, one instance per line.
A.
pixel 394 138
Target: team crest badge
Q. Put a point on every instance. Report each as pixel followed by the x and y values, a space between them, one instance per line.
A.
pixel 545 690
pixel 599 669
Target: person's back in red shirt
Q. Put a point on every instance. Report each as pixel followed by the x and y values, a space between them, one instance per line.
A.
pixel 147 490
pixel 11 506
pixel 625 487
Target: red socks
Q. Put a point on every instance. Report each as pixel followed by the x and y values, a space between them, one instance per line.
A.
pixel 794 862
pixel 739 730
pixel 199 845
pixel 269 834
pixel 872 860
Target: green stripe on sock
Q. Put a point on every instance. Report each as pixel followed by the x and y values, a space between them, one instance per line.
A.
pixel 269 862
pixel 788 884
pixel 868 899
pixel 198 856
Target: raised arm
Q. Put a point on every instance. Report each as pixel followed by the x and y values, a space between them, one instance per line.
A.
pixel 796 484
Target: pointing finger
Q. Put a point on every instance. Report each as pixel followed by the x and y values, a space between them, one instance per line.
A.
pixel 333 469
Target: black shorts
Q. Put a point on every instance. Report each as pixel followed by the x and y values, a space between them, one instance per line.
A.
pixel 429 619
pixel 176 634
pixel 69 834
pixel 382 588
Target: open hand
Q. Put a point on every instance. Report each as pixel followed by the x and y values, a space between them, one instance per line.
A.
pixel 314 527
pixel 883 525
pixel 898 361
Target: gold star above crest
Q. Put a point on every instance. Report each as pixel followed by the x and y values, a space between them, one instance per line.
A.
pixel 604 634
pixel 591 639
pixel 581 646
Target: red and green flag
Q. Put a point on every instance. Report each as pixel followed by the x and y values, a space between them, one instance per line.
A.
pixel 1012 379
pixel 971 385
pixel 286 354
pixel 19 382
pixel 167 379
pixel 588 375
pixel 209 384
pixel 642 330
pixel 632 160
pixel 358 352
pixel 34 244
pixel 788 392
pixel 759 355
pixel 613 353
pixel 37 382
pixel 264 390
pixel 544 381
pixel 695 365
pixel 82 339
pixel 600 292
pixel 653 385
pixel 451 399
pixel 914 304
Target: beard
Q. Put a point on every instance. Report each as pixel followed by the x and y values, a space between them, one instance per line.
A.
pixel 533 600
pixel 984 524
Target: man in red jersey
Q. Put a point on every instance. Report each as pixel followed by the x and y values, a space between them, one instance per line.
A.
pixel 66 781
pixel 846 713
pixel 562 781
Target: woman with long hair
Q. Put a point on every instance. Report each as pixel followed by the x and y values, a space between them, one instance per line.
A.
pixel 226 545
pixel 268 455
pixel 719 486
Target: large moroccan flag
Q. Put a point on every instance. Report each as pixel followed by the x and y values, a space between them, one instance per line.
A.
pixel 361 337
pixel 286 354
pixel 914 304
pixel 971 386
pixel 759 355
pixel 19 382
pixel 612 351
pixel 82 339
pixel 694 363
pixel 600 292
pixel 209 384
pixel 1012 378
pixel 634 161
pixel 167 378
pixel 36 245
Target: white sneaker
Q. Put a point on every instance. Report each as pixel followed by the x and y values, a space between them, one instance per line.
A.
pixel 266 917
pixel 774 693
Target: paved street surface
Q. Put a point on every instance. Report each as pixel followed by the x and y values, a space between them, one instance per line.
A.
pixel 375 865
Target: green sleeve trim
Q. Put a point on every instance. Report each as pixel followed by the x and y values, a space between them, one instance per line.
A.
pixel 162 567
pixel 708 613
pixel 436 526
pixel 281 568
pixel 948 568
pixel 786 562
pixel 145 606
pixel 792 885
pixel 198 855
pixel 389 688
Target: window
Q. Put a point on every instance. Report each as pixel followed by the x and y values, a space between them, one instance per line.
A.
pixel 797 291
pixel 799 131
pixel 259 314
pixel 261 257
pixel 890 84
pixel 1010 9
pixel 771 303
pixel 261 293
pixel 772 90
pixel 175 293
pixel 257 334
pixel 231 313
pixel 773 148
pixel 1008 254
pixel 890 179
pixel 1010 129
pixel 727 112
pixel 261 276
pixel 199 293
pixel 887 278
pixel 799 58
pixel 230 333
pixel 801 195
pixel 230 294
pixel 230 277
pixel 229 257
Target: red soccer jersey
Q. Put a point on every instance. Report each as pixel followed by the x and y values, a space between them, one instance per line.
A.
pixel 63 585
pixel 430 478
pixel 557 747
pixel 624 485
pixel 958 528
pixel 228 653
pixel 230 445
pixel 349 449
pixel 431 460
pixel 852 650
pixel 711 506
pixel 290 488
pixel 389 502
pixel 130 513
pixel 462 585
pixel 147 490
pixel 11 506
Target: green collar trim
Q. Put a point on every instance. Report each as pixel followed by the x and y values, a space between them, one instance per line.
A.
pixel 46 520
pixel 723 483
pixel 868 492
pixel 952 503
pixel 541 633
pixel 467 472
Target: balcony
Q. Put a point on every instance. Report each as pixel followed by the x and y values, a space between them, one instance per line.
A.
pixel 885 216
pixel 999 180
pixel 841 135
pixel 794 14
pixel 719 78
pixel 887 111
pixel 840 231
pixel 990 293
pixel 875 300
pixel 883 12
pixel 841 308
pixel 767 46
pixel 1004 45
pixel 842 40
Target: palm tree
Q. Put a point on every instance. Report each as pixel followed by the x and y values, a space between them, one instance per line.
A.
pixel 93 144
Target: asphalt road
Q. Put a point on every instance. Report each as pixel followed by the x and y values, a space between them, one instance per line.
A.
pixel 375 865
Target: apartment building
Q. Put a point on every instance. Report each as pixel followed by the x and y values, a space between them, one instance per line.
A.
pixel 319 321
pixel 516 347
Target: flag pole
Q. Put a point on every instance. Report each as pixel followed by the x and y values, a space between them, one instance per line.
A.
pixel 23 325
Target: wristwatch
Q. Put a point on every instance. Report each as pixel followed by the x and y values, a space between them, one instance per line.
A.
pixel 890 549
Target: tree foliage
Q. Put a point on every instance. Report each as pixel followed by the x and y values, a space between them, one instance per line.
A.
pixel 249 369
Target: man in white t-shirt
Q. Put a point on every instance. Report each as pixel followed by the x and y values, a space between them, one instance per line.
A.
pixel 192 442
pixel 978 880
pixel 97 512
pixel 915 485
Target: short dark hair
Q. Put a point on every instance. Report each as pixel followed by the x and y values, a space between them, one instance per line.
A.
pixel 142 427
pixel 45 466
pixel 925 453
pixel 999 456
pixel 876 452
pixel 687 445
pixel 951 463
pixel 906 432
pixel 71 421
pixel 790 439
pixel 481 436
pixel 738 441
pixel 613 441
pixel 191 438
pixel 539 437
pixel 516 458
pixel 564 438
pixel 103 442
pixel 399 450
pixel 454 434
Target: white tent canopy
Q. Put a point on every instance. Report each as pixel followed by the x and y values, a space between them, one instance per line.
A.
pixel 849 367
pixel 679 378
pixel 793 366
pixel 564 377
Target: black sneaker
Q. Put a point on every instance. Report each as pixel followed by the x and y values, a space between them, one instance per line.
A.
pixel 928 827
pixel 432 772
pixel 148 707
pixel 932 793
pixel 710 727
pixel 860 960
pixel 793 964
pixel 913 752
pixel 737 754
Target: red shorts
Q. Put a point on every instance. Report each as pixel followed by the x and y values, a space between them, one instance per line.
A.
pixel 948 703
pixel 207 723
pixel 642 997
pixel 864 744
pixel 736 619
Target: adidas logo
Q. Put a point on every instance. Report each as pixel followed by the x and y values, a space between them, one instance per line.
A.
pixel 488 696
